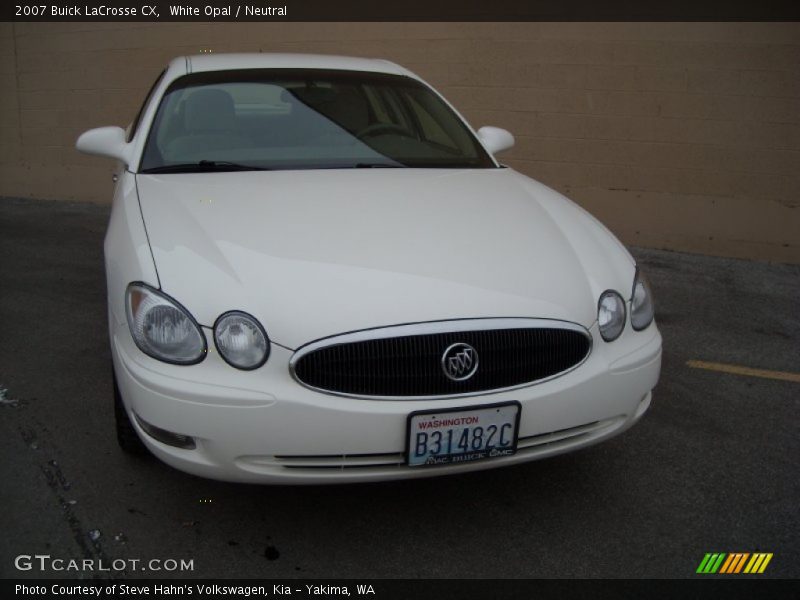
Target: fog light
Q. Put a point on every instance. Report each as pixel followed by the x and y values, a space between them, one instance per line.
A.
pixel 178 440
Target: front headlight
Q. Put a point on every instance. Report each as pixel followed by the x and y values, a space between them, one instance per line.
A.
pixel 162 328
pixel 241 340
pixel 642 309
pixel 611 315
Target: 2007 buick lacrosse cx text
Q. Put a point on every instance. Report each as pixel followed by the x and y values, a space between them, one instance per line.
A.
pixel 318 272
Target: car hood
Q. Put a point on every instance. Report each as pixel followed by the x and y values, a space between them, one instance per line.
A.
pixel 321 252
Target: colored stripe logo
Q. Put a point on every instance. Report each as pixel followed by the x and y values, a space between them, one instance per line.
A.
pixel 734 562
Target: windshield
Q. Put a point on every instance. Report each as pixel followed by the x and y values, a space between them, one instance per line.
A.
pixel 305 119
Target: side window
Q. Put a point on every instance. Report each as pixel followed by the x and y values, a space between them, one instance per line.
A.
pixel 376 105
pixel 392 109
pixel 135 124
pixel 431 129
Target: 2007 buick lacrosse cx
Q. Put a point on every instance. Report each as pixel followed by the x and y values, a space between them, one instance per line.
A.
pixel 318 272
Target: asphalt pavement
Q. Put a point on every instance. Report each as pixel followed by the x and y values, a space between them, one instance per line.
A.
pixel 712 467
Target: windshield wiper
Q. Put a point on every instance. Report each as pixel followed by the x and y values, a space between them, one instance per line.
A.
pixel 204 166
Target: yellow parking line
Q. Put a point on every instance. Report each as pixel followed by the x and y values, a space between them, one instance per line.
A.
pixel 747 371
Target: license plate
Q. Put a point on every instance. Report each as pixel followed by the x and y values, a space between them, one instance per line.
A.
pixel 462 435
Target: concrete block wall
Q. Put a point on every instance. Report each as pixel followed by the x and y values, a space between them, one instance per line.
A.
pixel 677 135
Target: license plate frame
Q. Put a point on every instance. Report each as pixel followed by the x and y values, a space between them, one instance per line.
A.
pixel 470 456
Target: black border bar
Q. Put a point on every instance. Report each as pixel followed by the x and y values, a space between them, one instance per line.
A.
pixel 403 10
pixel 420 589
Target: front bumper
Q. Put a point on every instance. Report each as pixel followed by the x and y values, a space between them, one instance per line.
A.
pixel 295 435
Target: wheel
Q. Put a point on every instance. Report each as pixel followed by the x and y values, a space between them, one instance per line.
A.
pixel 127 436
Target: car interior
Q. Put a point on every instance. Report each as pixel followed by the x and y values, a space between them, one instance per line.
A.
pixel 305 123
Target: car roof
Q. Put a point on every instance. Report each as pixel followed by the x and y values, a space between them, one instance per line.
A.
pixel 221 62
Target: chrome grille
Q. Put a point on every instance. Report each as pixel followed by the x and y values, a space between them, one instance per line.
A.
pixel 406 361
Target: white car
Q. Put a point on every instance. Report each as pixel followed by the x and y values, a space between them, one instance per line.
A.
pixel 319 273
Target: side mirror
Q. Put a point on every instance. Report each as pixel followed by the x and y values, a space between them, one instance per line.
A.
pixel 105 141
pixel 495 139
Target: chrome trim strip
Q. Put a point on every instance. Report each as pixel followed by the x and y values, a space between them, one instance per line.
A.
pixel 433 327
pixel 553 437
pixel 528 446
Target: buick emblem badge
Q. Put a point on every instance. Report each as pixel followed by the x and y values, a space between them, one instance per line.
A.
pixel 459 362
